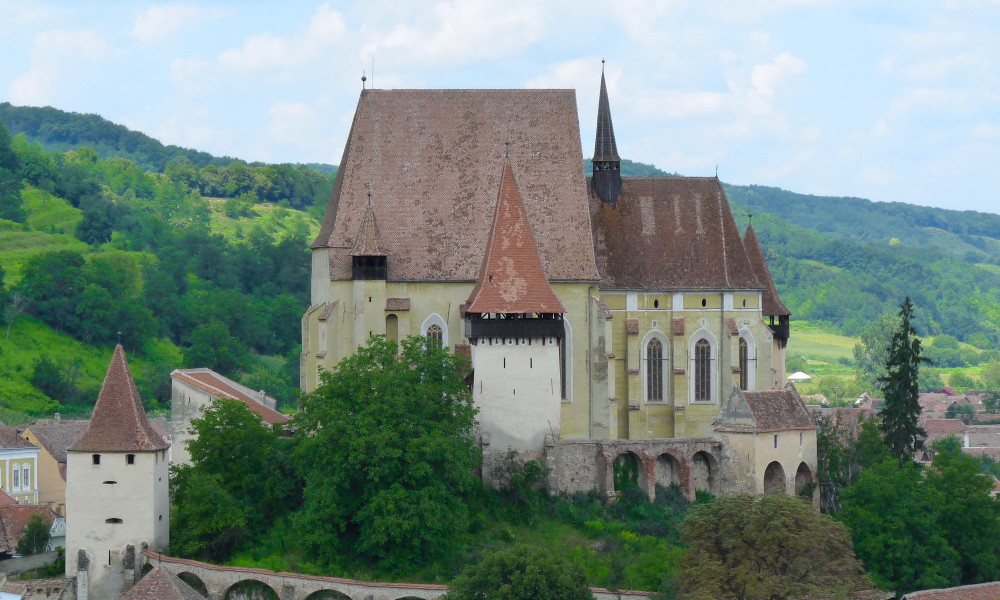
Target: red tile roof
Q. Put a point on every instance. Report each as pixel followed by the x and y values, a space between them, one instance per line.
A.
pixel 771 304
pixel 432 156
pixel 5 499
pixel 512 279
pixel 671 233
pixel 10 437
pixel 771 410
pixel 219 386
pixel 397 304
pixel 119 422
pixel 13 518
pixel 943 426
pixel 55 435
pixel 981 591
pixel 161 584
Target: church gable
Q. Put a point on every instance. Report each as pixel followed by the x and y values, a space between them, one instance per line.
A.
pixel 429 158
pixel 670 233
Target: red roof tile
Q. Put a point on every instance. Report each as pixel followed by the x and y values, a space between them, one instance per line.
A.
pixel 161 584
pixel 119 422
pixel 13 518
pixel 366 243
pixel 512 279
pixel 943 426
pixel 431 156
pixel 10 437
pixel 219 386
pixel 980 591
pixel 397 304
pixel 5 499
pixel 670 233
pixel 771 410
pixel 771 303
pixel 55 435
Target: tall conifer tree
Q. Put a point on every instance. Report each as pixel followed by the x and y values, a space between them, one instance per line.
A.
pixel 899 416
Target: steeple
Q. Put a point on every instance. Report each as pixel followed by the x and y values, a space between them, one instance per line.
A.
pixel 511 280
pixel 607 178
pixel 119 422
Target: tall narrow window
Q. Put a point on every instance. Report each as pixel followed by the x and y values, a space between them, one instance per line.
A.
pixel 654 371
pixel 702 371
pixel 435 334
pixel 744 364
pixel 16 479
pixel 26 477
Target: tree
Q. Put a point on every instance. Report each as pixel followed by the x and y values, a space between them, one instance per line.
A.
pixel 214 348
pixel 206 521
pixel 968 517
pixel 10 179
pixel 387 454
pixel 899 386
pixel 965 412
pixel 843 454
pixel 520 573
pixel 35 535
pixel 774 546
pixel 893 518
pixel 872 353
pixel 991 375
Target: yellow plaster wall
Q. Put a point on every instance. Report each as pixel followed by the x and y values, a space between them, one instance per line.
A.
pixel 51 485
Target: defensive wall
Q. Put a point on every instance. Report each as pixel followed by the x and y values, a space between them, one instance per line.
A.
pixel 588 465
pixel 228 583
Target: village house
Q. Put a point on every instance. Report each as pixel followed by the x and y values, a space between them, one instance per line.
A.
pixel 18 466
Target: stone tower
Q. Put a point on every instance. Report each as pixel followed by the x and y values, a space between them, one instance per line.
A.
pixel 116 489
pixel 513 320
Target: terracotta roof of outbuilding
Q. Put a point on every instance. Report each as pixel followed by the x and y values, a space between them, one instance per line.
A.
pixel 13 518
pixel 10 437
pixel 670 233
pixel 431 156
pixel 511 279
pixel 764 410
pixel 56 435
pixel 943 426
pixel 119 422
pixel 771 303
pixel 220 386
pixel 161 584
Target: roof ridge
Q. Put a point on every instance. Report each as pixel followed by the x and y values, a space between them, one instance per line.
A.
pixel 511 279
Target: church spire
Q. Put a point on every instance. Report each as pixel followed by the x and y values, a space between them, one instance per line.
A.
pixel 607 178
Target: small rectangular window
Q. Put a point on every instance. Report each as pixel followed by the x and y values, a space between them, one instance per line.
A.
pixel 776 440
pixel 95 458
pixel 801 438
pixel 130 459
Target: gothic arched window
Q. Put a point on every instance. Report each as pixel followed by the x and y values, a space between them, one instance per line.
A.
pixel 702 371
pixel 744 364
pixel 435 334
pixel 654 371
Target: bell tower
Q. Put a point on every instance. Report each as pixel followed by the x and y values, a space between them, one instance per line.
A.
pixel 607 178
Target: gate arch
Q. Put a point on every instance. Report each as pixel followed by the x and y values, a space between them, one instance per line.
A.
pixel 194 581
pixel 774 479
pixel 328 595
pixel 628 472
pixel 704 473
pixel 251 589
pixel 803 477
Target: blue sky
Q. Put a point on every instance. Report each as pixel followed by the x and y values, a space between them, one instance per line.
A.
pixel 886 100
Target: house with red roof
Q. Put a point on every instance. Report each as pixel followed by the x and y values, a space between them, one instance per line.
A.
pixel 192 390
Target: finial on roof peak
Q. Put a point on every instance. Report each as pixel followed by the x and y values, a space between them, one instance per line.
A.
pixel 750 217
pixel 363 79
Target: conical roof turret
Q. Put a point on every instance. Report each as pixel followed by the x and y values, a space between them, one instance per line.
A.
pixel 119 422
pixel 605 148
pixel 368 242
pixel 511 279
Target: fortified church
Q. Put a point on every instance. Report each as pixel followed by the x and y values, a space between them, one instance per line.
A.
pixel 608 320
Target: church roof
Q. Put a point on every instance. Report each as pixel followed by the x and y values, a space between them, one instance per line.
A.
pixel 511 279
pixel 119 422
pixel 219 386
pixel 771 304
pixel 605 148
pixel 161 584
pixel 670 233
pixel 430 157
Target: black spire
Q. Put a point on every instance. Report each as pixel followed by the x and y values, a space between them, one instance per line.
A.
pixel 607 179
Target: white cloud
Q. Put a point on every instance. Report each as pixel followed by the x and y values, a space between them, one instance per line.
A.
pixel 161 22
pixel 767 77
pixel 457 32
pixel 55 52
pixel 877 176
pixel 267 52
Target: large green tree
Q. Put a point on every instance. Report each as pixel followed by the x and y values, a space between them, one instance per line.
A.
pixel 35 535
pixel 900 387
pixel 765 547
pixel 872 353
pixel 10 179
pixel 520 573
pixel 387 454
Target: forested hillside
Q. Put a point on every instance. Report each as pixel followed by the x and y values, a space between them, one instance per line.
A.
pixel 199 260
